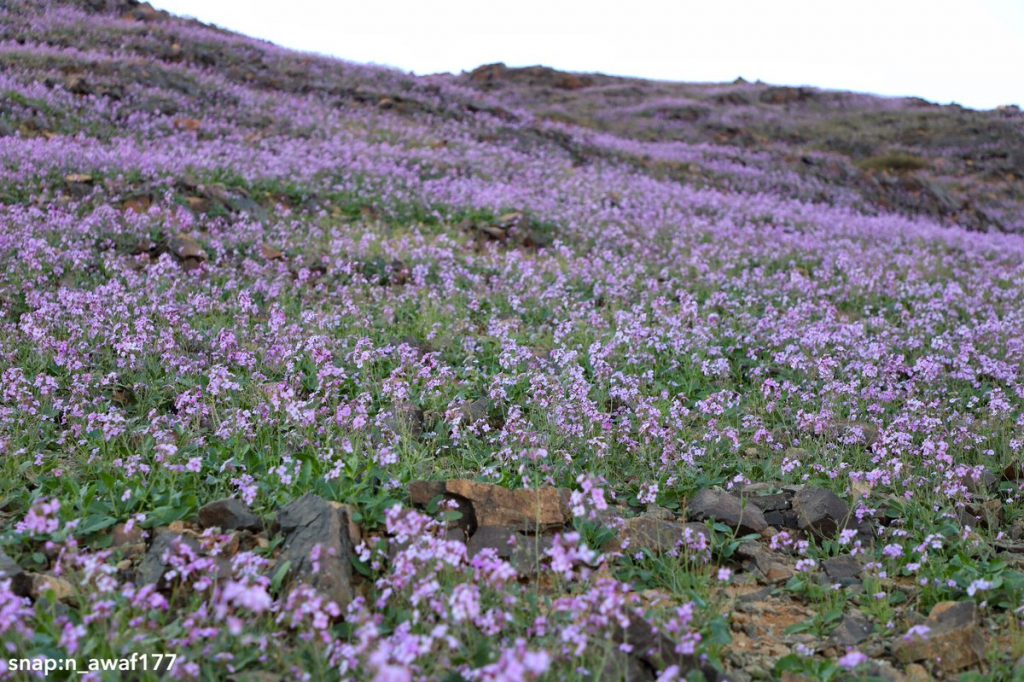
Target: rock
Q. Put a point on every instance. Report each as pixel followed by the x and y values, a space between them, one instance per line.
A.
pixel 311 522
pixel 1013 472
pixel 853 629
pixel 122 535
pixel 187 250
pixel 658 536
pixel 984 481
pixel 473 411
pixel 187 124
pixel 229 514
pixel 772 502
pixel 844 569
pixel 41 584
pixel 621 666
pixel 153 566
pixel 718 505
pixel 271 252
pixel 422 493
pixel 786 95
pixel 523 552
pixel 954 640
pixel 820 512
pixel 405 418
pixel 497 75
pixel 21 581
pixel 786 518
pixel 523 509
pixel 657 650
pixel 915 672
pixel 773 567
pixel 9 568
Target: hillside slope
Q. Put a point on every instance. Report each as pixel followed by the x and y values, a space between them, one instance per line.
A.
pixel 319 370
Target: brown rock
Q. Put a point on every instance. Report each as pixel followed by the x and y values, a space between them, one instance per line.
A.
pixel 228 514
pixel 423 492
pixel 43 584
pixel 772 566
pixel 187 124
pixel 954 641
pixel 122 535
pixel 523 509
pixel 915 672
pixel 186 249
pixel 271 252
pixel 718 505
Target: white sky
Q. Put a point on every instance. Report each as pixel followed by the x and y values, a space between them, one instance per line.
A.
pixel 965 51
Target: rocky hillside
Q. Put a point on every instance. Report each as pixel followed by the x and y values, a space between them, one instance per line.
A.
pixel 878 155
pixel 314 370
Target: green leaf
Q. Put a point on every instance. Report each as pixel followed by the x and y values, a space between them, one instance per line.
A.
pixel 279 575
pixel 92 524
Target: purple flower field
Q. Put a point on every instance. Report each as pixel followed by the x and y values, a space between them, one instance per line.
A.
pixel 319 371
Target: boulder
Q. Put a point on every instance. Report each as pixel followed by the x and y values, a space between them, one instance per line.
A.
pixel 41 584
pixel 9 568
pixel 658 536
pixel 153 566
pixel 531 510
pixel 853 629
pixel 820 512
pixel 844 569
pixel 718 505
pixel 310 524
pixel 772 567
pixel 187 251
pixel 229 514
pixel 953 642
pixel 524 552
pixel 655 649
pixel 122 535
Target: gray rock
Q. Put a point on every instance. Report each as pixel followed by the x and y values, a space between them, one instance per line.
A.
pixel 524 552
pixel 153 566
pixel 853 629
pixel 843 569
pixel 9 568
pixel 656 649
pixel 657 535
pixel 820 512
pixel 228 514
pixel 21 581
pixel 311 521
pixel 769 502
pixel 405 418
pixel 718 505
